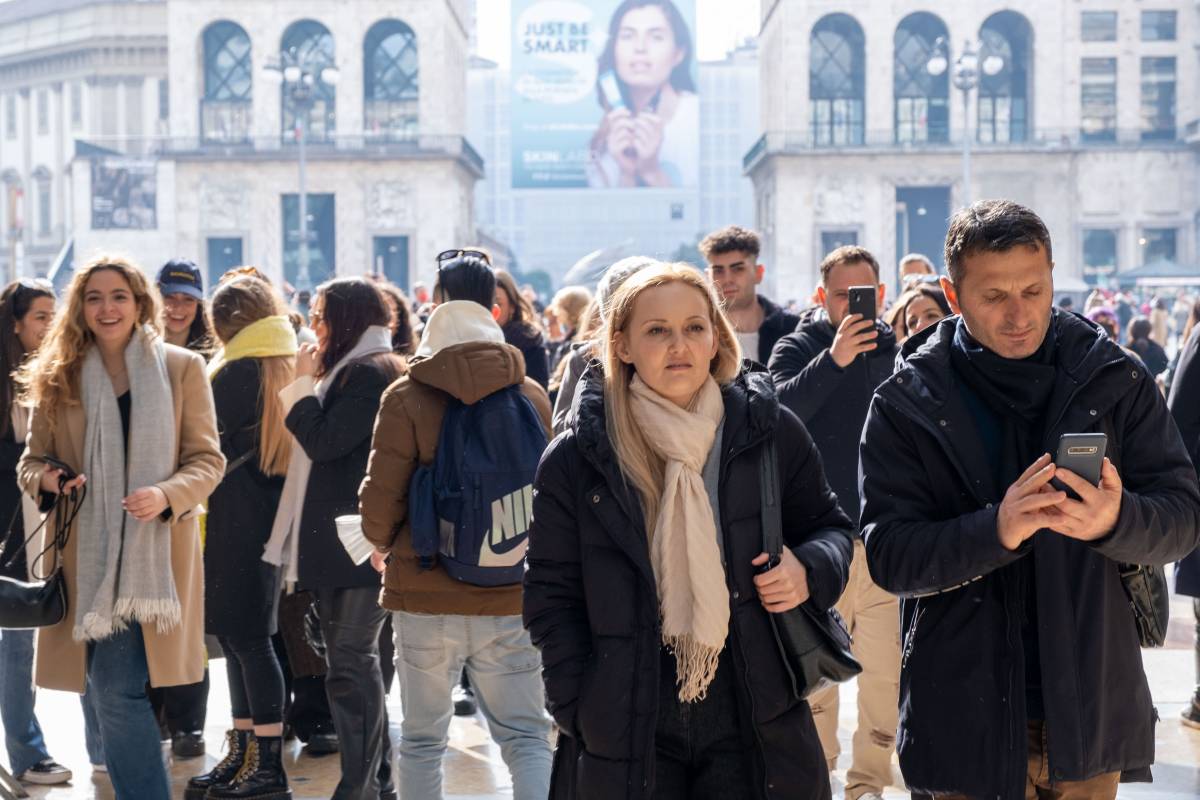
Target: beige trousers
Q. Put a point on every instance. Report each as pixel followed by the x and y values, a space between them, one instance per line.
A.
pixel 873 617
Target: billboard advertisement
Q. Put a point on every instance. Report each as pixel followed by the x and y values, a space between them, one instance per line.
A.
pixel 124 194
pixel 604 94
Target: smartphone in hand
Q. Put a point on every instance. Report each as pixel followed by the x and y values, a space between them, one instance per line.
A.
pixel 54 463
pixel 862 301
pixel 1083 454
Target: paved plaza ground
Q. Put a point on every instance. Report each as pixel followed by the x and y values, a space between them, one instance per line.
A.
pixel 474 769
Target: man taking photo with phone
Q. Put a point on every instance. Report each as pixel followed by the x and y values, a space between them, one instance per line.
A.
pixel 1022 675
pixel 826 372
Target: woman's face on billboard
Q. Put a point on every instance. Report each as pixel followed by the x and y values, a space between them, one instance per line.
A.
pixel 646 51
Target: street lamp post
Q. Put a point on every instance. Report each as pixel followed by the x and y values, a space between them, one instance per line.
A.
pixel 967 74
pixel 300 80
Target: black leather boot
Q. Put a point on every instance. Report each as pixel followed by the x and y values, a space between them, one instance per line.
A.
pixel 237 743
pixel 262 778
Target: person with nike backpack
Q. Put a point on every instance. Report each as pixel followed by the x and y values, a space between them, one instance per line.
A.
pixel 446 502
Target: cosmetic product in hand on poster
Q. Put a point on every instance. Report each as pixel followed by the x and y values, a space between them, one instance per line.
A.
pixel 604 94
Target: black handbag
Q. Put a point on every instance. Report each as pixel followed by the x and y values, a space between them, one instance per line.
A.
pixel 1146 588
pixel 815 645
pixel 41 603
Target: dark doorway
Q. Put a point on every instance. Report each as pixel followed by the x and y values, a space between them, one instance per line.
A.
pixel 224 253
pixel 391 259
pixel 922 218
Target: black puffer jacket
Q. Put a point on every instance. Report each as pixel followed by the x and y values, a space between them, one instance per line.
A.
pixel 777 323
pixel 832 402
pixel 1184 402
pixel 592 607
pixel 929 521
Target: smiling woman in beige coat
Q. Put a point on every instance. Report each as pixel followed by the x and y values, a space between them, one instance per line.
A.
pixel 133 418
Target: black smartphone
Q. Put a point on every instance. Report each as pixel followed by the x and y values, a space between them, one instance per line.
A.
pixel 862 301
pixel 1083 454
pixel 772 563
pixel 54 463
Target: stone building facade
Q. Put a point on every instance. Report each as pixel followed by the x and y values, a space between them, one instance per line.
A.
pixel 1084 111
pixel 389 174
pixel 151 128
pixel 69 69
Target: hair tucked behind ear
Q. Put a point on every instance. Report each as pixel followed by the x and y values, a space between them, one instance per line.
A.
pixel 637 459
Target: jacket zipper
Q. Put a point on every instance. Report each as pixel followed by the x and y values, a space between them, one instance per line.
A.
pixel 766 786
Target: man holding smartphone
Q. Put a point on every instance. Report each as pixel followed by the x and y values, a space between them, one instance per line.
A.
pixel 826 372
pixel 1022 675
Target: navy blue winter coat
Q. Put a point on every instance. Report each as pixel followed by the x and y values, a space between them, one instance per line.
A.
pixel 929 523
pixel 591 603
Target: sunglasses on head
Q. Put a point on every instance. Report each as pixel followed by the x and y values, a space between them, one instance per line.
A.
pixel 447 255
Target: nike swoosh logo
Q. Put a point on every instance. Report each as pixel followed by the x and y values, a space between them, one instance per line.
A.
pixel 509 558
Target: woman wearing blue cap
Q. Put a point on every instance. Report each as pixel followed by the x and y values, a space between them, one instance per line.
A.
pixel 182 710
pixel 185 315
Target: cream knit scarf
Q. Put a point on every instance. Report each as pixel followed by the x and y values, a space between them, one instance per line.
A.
pixel 692 596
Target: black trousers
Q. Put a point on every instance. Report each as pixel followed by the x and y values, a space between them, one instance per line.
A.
pixel 180 709
pixel 351 620
pixel 255 679
pixel 699 752
pixel 1196 611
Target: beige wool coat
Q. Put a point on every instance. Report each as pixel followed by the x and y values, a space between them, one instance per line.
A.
pixel 176 657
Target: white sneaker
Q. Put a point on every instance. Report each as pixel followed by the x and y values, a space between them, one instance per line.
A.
pixel 46 773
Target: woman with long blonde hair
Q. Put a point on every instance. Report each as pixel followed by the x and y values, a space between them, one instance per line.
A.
pixel 256 361
pixel 647 587
pixel 133 418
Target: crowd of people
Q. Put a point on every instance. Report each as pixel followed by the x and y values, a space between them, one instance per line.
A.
pixel 558 517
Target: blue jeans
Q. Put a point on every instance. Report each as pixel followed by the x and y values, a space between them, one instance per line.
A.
pixel 506 673
pixel 22 733
pixel 116 683
pixel 91 730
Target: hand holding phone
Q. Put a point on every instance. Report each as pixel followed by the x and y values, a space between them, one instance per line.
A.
pixel 854 336
pixel 1093 486
pixel 58 477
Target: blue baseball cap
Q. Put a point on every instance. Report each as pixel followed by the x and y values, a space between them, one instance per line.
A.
pixel 181 277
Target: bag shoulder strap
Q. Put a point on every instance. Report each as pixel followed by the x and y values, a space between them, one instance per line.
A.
pixel 772 520
pixel 240 460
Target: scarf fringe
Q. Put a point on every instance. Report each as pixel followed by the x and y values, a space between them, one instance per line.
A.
pixel 695 666
pixel 164 614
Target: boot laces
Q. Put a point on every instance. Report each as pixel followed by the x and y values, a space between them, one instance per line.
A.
pixel 250 765
pixel 233 752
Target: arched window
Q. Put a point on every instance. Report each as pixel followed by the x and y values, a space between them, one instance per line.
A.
pixel 391 80
pixel 309 45
pixel 228 83
pixel 921 99
pixel 837 80
pixel 1004 97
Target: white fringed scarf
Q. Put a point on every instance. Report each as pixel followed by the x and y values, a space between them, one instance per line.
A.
pixel 124 572
pixel 692 595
